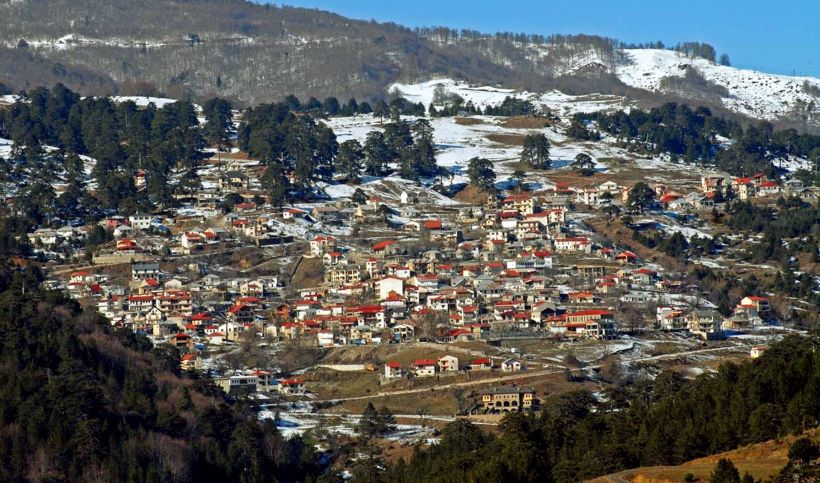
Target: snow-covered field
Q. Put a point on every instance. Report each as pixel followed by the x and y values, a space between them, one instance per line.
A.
pixel 143 101
pixel 457 143
pixel 298 420
pixel 483 96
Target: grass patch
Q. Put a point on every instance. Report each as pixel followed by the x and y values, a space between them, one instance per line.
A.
pixel 309 273
pixel 468 121
pixel 508 139
pixel 471 195
pixel 526 122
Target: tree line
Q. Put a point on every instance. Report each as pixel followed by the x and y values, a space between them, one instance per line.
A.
pixel 698 136
pixel 119 139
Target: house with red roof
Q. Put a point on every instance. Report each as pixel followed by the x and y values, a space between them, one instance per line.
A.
pixel 768 188
pixel 757 306
pixel 292 386
pixel 291 213
pixel 392 370
pixel 744 188
pixel 386 247
pixel 321 244
pixel 523 203
pixel 81 276
pixel 432 225
pixel 625 257
pixel 573 244
pixel 126 245
pixel 425 367
pixel 482 364
pixel 190 362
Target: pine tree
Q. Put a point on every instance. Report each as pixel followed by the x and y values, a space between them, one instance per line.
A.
pixel 369 424
pixel 381 110
pixel 377 153
pixel 584 164
pixel 349 160
pixel 218 121
pixel 536 151
pixel 276 183
pixel 640 197
pixel 481 173
pixel 725 472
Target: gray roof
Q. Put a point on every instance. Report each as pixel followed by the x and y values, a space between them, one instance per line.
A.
pixel 510 390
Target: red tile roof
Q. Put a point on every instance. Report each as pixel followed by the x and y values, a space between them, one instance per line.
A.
pixel 432 224
pixel 383 244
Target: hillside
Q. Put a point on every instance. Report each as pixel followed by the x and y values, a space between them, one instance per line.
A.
pixel 761 460
pixel 83 401
pixel 663 72
pixel 257 53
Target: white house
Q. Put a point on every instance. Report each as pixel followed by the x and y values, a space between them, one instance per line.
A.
pixel 140 221
pixel 390 284
pixel 425 367
pixel 573 244
pixel 511 365
pixel 392 370
pixel 448 363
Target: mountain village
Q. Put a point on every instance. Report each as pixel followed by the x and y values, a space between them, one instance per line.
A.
pixel 449 288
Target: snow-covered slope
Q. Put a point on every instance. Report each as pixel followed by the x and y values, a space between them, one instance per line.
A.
pixel 483 96
pixel 756 94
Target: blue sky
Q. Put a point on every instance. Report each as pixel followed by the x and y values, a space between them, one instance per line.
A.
pixel 781 37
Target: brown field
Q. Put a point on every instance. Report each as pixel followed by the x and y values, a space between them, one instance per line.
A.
pixel 508 139
pixel 760 460
pixel 525 122
pixel 309 273
pixel 471 195
pixel 468 121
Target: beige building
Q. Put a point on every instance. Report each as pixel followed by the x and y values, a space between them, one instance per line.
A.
pixel 507 399
pixel 340 276
pixel 447 363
